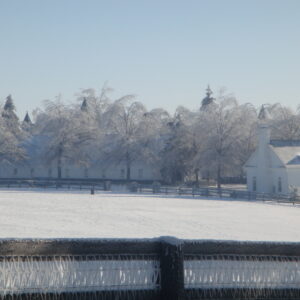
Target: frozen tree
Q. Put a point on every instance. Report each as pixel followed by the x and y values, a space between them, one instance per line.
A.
pixel 10 117
pixel 11 135
pixel 180 147
pixel 125 131
pixel 65 135
pixel 95 105
pixel 125 139
pixel 285 122
pixel 246 140
pixel 225 131
pixel 11 149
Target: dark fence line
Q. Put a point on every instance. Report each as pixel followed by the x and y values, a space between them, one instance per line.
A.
pixel 165 268
pixel 87 184
pixel 215 192
pixel 155 188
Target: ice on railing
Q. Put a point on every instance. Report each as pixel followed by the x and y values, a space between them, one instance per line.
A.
pixel 221 272
pixel 76 274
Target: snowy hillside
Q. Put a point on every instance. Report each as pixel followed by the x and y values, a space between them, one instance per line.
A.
pixel 73 214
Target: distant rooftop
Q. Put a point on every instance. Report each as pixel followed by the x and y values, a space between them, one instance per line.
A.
pixel 285 143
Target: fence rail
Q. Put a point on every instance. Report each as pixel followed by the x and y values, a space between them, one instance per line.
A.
pixel 163 268
pixel 100 185
pixel 216 192
pixel 88 184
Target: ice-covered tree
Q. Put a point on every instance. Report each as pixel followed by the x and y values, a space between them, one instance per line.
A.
pixel 180 147
pixel 11 135
pixel 11 149
pixel 65 135
pixel 284 122
pixel 225 127
pixel 10 117
pixel 95 104
pixel 125 139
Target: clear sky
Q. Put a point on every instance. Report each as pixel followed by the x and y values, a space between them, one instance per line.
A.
pixel 164 51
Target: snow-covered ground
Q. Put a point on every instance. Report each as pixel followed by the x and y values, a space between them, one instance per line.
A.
pixel 52 214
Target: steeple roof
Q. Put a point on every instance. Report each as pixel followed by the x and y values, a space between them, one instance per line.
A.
pixel 263 114
pixel 27 119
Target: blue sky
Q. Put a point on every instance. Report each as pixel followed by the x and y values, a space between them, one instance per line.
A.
pixel 165 52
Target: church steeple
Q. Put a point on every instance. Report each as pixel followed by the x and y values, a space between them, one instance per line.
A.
pixel 208 99
pixel 27 119
pixel 263 115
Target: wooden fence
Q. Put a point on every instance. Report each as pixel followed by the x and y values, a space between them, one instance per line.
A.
pixel 165 268
pixel 91 185
pixel 215 192
pixel 100 185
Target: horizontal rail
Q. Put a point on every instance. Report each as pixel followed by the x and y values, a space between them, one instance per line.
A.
pixel 160 268
pixel 49 247
pixel 218 192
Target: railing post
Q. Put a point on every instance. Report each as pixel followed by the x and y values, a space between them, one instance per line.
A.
pixel 172 272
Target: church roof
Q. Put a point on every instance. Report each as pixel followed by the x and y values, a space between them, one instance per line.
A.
pixel 285 143
pixel 295 160
pixel 287 154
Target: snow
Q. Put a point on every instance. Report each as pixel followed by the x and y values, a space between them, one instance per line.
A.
pixel 69 214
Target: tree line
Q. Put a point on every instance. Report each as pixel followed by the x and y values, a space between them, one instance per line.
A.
pixel 212 142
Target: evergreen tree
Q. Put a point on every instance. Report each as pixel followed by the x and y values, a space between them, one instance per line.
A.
pixel 11 135
pixel 10 118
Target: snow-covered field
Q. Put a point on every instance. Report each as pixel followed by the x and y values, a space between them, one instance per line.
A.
pixel 52 214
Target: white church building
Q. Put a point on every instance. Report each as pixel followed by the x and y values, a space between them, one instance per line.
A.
pixel 274 167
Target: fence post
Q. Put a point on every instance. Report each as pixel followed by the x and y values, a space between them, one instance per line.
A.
pixel 172 272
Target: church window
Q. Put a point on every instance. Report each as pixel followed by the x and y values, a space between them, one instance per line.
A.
pixel 15 171
pixel 254 184
pixel 279 185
